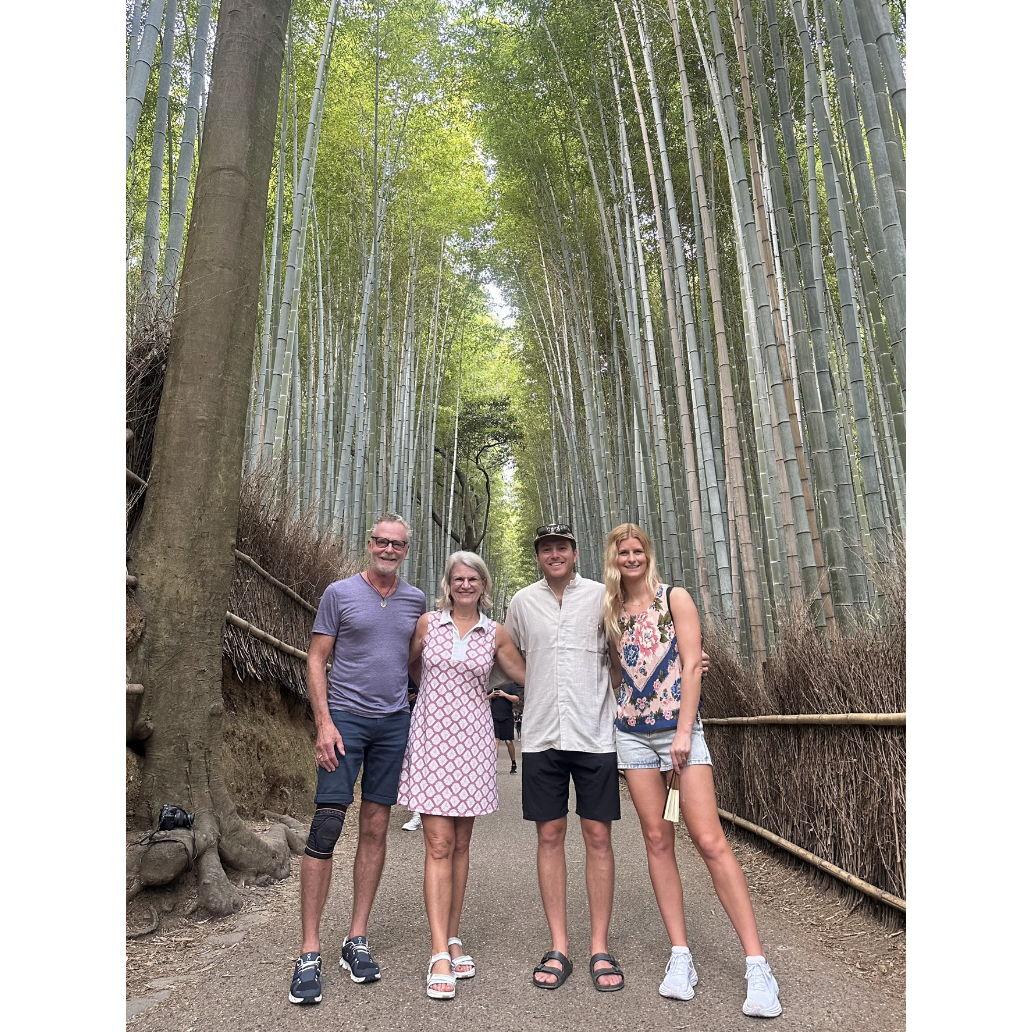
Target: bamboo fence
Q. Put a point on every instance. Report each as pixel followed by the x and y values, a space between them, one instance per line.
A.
pixel 829 868
pixel 834 719
pixel 810 752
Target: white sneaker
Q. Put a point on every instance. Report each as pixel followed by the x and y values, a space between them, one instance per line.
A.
pixel 414 823
pixel 681 975
pixel 761 999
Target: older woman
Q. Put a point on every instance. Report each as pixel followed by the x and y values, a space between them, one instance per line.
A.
pixel 448 774
pixel 655 644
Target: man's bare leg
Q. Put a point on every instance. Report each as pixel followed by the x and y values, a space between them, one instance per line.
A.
pixel 551 868
pixel 315 887
pixel 599 871
pixel 369 857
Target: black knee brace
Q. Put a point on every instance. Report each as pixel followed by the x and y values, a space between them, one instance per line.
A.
pixel 327 825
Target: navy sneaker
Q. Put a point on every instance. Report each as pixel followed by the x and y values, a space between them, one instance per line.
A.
pixel 306 985
pixel 356 959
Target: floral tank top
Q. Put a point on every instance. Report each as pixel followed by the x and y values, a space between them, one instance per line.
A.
pixel 649 698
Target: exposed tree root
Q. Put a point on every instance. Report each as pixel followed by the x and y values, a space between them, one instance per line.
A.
pixel 168 854
pixel 285 818
pixel 215 892
pixel 133 858
pixel 242 848
pixel 296 832
pixel 219 840
pixel 152 926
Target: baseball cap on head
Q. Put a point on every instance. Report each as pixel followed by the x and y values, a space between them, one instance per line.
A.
pixel 554 530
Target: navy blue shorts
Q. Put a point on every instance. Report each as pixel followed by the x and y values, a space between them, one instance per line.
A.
pixel 377 745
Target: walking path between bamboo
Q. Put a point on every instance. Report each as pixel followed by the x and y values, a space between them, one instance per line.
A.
pixel 233 974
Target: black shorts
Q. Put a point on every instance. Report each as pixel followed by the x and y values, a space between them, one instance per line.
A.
pixel 546 785
pixel 504 729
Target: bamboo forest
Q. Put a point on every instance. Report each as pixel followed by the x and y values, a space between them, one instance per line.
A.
pixel 494 265
pixel 582 260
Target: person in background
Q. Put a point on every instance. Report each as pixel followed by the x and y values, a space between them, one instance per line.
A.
pixel 448 775
pixel 502 700
pixel 655 645
pixel 361 713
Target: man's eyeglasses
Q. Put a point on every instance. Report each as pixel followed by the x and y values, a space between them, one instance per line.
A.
pixel 380 542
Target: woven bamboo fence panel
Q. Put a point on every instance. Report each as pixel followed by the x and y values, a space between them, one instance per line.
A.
pixel 837 790
pixel 256 601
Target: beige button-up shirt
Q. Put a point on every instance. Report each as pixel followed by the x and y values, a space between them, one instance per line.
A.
pixel 568 702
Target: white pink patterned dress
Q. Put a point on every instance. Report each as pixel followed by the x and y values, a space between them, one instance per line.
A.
pixel 449 765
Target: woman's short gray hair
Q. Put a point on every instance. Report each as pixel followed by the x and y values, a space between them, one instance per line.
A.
pixel 474 562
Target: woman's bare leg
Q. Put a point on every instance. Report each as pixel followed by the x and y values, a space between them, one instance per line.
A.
pixel 648 793
pixel 439 838
pixel 460 874
pixel 699 807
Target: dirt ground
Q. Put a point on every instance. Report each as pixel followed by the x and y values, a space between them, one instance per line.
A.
pixel 841 963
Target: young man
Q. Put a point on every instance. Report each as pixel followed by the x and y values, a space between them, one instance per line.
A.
pixel 568 716
pixel 361 716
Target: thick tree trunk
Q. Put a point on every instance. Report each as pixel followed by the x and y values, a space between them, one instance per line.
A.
pixel 183 555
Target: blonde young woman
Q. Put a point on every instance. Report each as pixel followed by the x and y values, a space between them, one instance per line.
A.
pixel 655 644
pixel 448 773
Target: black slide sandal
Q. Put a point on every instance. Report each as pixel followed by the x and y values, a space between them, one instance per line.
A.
pixel 560 976
pixel 613 969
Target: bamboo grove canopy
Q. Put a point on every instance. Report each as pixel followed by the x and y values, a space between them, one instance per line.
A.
pixel 597 260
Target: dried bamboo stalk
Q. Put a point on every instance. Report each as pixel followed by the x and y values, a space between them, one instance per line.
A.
pixel 841 719
pixel 272 580
pixel 133 689
pixel 261 635
pixel 811 858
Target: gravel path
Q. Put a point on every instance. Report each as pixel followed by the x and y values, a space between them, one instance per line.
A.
pixel 838 969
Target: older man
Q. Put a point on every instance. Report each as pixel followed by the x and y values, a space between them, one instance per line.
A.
pixel 361 716
pixel 568 716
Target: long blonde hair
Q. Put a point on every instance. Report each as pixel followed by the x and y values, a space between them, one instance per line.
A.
pixel 474 562
pixel 613 599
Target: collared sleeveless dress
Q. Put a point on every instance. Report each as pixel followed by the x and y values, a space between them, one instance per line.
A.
pixel 449 766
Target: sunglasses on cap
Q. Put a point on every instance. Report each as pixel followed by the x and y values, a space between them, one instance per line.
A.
pixel 559 530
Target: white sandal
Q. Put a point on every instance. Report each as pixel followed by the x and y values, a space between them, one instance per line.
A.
pixel 463 961
pixel 435 979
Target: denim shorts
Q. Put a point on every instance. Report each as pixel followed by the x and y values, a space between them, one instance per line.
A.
pixel 376 745
pixel 651 750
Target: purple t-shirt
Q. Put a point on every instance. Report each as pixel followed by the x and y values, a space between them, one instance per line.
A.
pixel 369 675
